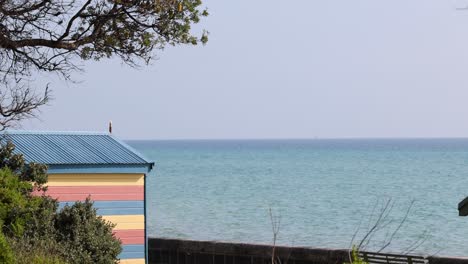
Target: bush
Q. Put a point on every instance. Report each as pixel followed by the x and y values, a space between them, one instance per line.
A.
pixel 88 237
pixel 33 231
pixel 355 257
pixel 75 235
pixel 6 254
pixel 16 203
pixel 30 251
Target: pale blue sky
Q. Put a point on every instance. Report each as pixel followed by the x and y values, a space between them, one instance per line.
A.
pixel 287 69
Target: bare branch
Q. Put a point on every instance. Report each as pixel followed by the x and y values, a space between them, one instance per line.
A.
pixel 19 103
pixel 389 241
pixel 275 226
pixel 55 36
pixel 383 221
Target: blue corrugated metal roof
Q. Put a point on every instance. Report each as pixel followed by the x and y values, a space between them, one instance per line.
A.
pixel 74 148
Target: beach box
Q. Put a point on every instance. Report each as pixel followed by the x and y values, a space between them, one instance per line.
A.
pixel 98 165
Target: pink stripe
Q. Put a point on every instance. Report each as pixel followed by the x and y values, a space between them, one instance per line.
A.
pixel 98 197
pixel 129 232
pixel 131 236
pixel 132 240
pixel 97 193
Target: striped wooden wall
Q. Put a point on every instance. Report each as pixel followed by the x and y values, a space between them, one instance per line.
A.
pixel 119 198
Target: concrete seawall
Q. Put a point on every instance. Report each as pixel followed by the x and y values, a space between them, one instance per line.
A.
pixel 175 251
pixel 445 260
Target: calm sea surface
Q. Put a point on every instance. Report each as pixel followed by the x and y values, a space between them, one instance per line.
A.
pixel 322 191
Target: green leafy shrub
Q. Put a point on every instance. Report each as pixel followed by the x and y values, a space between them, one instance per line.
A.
pixel 33 251
pixel 33 231
pixel 355 257
pixel 16 203
pixel 88 237
pixel 75 235
pixel 6 254
pixel 32 172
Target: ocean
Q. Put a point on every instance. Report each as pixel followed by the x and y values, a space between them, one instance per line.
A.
pixel 321 192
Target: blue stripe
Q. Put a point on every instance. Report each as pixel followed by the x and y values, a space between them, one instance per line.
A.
pixel 112 204
pixel 119 204
pixel 131 255
pixel 123 211
pixel 132 251
pixel 92 168
pixel 114 207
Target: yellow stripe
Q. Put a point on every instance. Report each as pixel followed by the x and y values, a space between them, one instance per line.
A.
pixel 123 226
pixel 126 221
pixel 124 218
pixel 96 179
pixel 132 261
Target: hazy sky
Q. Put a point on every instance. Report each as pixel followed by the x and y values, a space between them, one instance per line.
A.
pixel 287 69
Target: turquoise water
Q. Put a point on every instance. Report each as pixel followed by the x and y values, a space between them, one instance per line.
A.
pixel 321 190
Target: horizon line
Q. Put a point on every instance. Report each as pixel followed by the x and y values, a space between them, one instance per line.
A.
pixel 285 138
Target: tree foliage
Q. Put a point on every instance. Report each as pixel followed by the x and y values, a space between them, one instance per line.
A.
pixel 17 182
pixel 36 232
pixel 88 237
pixel 54 36
pixel 6 254
pixel 32 172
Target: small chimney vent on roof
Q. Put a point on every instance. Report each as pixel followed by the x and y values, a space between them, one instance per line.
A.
pixel 110 127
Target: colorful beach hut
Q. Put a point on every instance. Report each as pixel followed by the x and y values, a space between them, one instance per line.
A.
pixel 98 165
